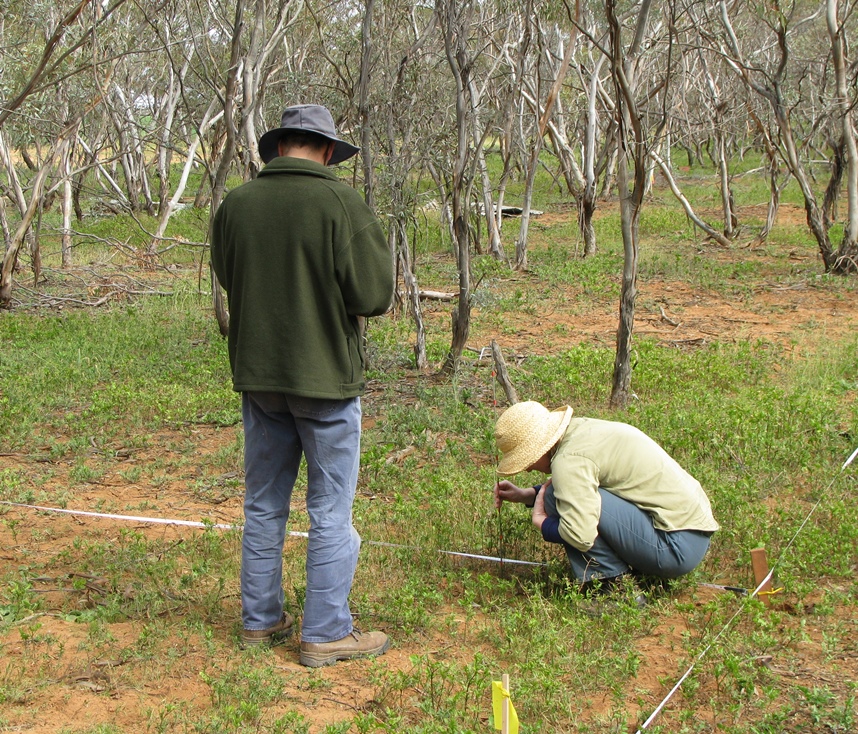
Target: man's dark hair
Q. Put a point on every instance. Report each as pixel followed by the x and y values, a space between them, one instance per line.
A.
pixel 300 139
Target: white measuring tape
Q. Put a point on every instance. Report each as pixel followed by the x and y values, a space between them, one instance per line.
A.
pixel 224 526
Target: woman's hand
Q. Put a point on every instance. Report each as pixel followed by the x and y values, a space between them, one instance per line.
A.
pixel 538 513
pixel 506 491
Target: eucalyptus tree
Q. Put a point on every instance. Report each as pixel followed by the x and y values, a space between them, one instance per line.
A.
pixel 46 46
pixel 57 150
pixel 712 111
pixel 408 125
pixel 768 67
pixel 455 18
pixel 166 93
pixel 676 99
pixel 543 110
pixel 179 127
pixel 59 55
pixel 638 134
pixel 591 154
pixel 722 109
pixel 500 30
pixel 595 127
pixel 130 140
pixel 843 105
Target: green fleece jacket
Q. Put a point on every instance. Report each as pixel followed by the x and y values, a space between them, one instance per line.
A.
pixel 300 256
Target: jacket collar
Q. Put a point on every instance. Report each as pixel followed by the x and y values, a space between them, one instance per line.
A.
pixel 286 164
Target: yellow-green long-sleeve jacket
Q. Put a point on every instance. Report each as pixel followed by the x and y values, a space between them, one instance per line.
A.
pixel 626 462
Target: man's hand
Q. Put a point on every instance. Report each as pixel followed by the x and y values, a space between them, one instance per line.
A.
pixel 538 513
pixel 506 491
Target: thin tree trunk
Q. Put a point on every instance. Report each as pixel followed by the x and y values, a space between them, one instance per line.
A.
pixel 846 260
pixel 17 191
pixel 527 200
pixel 622 375
pixel 832 191
pixel 454 27
pixel 489 213
pixel 412 293
pixel 165 146
pixel 4 225
pixel 11 256
pixel 66 207
pixel 724 179
pixel 170 206
pixel 587 205
pixel 126 145
pixel 631 143
pixel 775 187
pixel 219 180
pixel 363 105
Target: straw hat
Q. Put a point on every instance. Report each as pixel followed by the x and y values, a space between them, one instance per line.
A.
pixel 525 432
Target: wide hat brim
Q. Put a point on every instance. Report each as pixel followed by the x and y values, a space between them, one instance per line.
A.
pixel 531 447
pixel 268 145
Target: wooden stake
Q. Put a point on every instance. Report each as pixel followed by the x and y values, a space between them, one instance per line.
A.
pixel 505 705
pixel 761 570
pixel 502 375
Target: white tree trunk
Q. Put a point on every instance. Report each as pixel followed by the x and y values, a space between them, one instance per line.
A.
pixel 844 110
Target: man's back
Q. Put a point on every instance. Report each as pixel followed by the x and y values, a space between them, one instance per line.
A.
pixel 300 256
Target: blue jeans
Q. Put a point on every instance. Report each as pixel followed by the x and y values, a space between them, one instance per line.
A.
pixel 278 429
pixel 628 541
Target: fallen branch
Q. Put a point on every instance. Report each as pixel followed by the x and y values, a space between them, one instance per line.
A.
pixel 437 296
pixel 665 318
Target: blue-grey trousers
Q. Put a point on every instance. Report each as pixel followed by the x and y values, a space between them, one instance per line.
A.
pixel 628 541
pixel 278 429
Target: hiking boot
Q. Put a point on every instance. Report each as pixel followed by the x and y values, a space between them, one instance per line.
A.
pixel 271 636
pixel 354 645
pixel 611 594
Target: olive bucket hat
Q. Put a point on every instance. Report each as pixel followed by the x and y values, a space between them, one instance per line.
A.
pixel 525 432
pixel 310 118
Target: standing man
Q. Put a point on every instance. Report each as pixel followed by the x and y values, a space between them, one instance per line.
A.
pixel 301 258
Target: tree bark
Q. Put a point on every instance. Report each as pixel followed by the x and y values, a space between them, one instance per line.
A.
pixel 11 256
pixel 363 105
pixel 631 144
pixel 455 32
pixel 846 260
pixel 412 294
pixel 226 159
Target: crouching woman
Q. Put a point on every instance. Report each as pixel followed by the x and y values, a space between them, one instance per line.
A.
pixel 614 499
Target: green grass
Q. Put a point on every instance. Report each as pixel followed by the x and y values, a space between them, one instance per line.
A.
pixel 154 363
pixel 128 409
